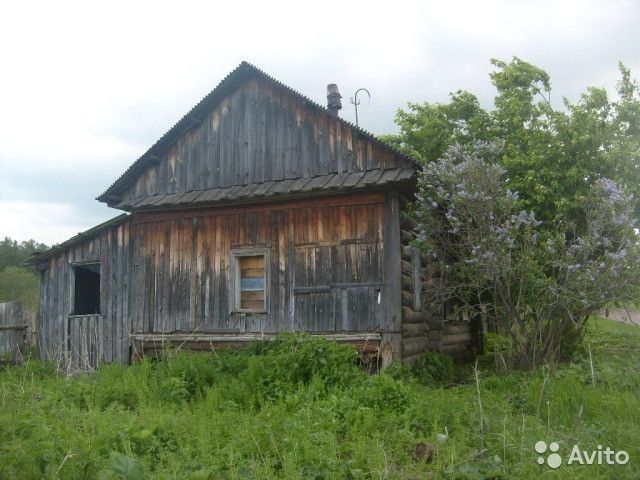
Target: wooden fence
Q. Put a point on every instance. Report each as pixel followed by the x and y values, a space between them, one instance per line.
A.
pixel 17 329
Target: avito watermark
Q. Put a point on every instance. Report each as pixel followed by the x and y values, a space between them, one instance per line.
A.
pixel 600 456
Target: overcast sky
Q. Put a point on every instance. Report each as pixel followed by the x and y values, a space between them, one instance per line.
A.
pixel 87 87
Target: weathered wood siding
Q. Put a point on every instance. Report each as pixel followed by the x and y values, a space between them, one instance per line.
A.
pixel 170 272
pixel 259 133
pixel 325 267
pixel 16 328
pixel 57 338
pixel 86 342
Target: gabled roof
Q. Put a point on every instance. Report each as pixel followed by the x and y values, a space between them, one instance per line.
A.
pixel 193 118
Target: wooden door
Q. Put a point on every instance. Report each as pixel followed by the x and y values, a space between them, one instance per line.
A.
pixel 338 287
pixel 85 342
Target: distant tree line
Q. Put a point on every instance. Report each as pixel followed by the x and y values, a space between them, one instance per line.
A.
pixel 19 282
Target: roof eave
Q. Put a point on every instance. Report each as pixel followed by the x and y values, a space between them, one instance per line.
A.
pixel 406 184
pixel 81 236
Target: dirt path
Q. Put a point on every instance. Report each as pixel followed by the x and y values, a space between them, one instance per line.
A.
pixel 631 317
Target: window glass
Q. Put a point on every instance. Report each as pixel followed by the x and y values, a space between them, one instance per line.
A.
pixel 252 282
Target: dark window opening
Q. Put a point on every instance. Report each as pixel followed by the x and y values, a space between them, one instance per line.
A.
pixel 86 289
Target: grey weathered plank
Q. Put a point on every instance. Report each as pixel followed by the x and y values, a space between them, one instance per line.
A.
pixel 353 179
pixel 392 260
pixel 371 177
pixel 333 181
pixel 173 274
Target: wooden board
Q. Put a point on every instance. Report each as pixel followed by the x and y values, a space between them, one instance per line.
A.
pixel 260 132
pixel 16 325
pixel 173 273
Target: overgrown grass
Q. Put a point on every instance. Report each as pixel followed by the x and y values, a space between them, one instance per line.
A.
pixel 302 408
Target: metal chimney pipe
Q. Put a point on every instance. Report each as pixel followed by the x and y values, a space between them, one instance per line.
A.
pixel 333 99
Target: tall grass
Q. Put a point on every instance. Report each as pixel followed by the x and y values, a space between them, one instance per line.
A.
pixel 303 408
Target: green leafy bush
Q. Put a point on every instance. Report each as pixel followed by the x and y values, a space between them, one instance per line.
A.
pixel 295 360
pixel 121 467
pixel 383 392
pixel 185 376
pixel 434 368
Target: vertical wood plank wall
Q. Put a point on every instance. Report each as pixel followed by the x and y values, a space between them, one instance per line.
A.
pixel 392 339
pixel 321 259
pixel 86 342
pixel 258 133
pixel 16 327
pixel 111 249
pixel 330 270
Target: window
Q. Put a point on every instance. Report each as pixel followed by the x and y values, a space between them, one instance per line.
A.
pixel 85 294
pixel 250 282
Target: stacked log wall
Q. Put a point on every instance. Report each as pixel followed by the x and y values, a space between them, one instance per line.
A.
pixel 415 313
pixel 429 327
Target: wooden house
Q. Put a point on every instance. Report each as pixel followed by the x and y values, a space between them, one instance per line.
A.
pixel 258 212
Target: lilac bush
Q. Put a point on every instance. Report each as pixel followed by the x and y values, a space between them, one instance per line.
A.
pixel 537 283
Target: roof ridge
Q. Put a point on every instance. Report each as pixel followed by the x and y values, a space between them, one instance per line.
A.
pixel 188 120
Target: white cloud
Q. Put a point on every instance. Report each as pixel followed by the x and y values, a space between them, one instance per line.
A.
pixel 86 87
pixel 54 222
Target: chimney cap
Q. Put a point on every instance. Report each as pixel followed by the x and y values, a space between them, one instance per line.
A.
pixel 333 99
pixel 332 89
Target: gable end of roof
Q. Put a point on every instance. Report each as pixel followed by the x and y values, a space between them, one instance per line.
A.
pixel 195 116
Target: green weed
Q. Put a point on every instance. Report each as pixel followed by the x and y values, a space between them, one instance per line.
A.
pixel 301 407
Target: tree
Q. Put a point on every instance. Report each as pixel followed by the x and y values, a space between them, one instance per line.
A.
pixel 19 284
pixel 539 286
pixel 553 158
pixel 17 281
pixel 14 253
